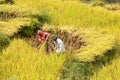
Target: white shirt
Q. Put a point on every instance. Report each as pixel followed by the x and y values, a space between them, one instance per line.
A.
pixel 59 46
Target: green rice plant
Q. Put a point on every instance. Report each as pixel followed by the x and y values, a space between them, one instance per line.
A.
pixel 22 62
pixel 4 41
pixel 9 1
pixel 109 72
pixel 31 29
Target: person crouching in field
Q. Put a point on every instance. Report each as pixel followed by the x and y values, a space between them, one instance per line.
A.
pixel 59 45
pixel 42 37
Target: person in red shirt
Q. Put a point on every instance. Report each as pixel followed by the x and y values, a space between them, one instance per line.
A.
pixel 42 36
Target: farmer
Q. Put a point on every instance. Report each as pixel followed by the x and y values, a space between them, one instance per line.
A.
pixel 42 36
pixel 59 45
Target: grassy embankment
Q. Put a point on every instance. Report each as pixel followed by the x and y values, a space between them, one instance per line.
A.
pixel 22 62
pixel 13 17
pixel 74 14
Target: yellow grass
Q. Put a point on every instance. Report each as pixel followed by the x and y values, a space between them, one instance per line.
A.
pixel 109 72
pixel 98 41
pixel 20 11
pixel 12 26
pixel 75 13
pixel 22 62
pixel 70 12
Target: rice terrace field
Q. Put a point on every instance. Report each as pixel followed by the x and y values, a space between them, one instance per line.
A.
pixel 89 29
